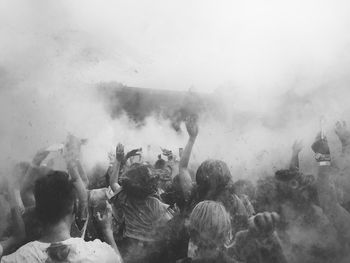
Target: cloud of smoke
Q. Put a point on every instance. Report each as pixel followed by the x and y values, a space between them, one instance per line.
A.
pixel 274 67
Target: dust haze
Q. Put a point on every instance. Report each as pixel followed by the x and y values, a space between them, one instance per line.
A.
pixel 274 67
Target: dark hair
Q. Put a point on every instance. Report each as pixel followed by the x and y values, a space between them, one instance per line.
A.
pixel 54 196
pixel 160 163
pixel 286 175
pixel 140 181
pixel 212 177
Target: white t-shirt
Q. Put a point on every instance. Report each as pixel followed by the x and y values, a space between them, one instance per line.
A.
pixel 79 251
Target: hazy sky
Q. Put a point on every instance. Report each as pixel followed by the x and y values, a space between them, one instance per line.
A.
pixel 253 51
pixel 250 45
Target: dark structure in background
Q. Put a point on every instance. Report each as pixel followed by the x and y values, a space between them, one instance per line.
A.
pixel 139 103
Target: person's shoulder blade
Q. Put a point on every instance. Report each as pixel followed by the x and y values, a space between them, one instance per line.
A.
pixel 30 252
pixel 93 251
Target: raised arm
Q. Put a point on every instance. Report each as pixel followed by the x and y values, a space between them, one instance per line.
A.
pixel 105 224
pixel 296 149
pixel 18 235
pixel 184 176
pixel 73 171
pixel 82 174
pixel 339 217
pixel 72 152
pixel 113 181
pixel 192 130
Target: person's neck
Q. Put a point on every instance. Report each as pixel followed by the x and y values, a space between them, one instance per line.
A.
pixel 56 233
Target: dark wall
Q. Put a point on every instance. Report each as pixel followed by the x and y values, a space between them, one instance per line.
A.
pixel 139 103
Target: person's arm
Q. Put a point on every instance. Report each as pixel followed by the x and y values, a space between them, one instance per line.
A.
pixel 339 217
pixel 40 157
pixel 105 224
pixel 18 235
pixel 113 181
pixel 184 176
pixel 82 174
pixel 31 174
pixel 192 130
pixel 80 187
pixel 132 153
pixel 296 149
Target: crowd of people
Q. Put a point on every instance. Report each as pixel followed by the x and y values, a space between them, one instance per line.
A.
pixel 136 211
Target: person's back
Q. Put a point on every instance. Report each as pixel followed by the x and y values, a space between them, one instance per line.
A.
pixel 142 218
pixel 70 250
pixel 55 207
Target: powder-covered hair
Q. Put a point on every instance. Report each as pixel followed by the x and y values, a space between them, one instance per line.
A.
pixel 212 177
pixel 209 224
pixel 140 181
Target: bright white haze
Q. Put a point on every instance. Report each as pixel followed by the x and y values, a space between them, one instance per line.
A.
pixel 249 53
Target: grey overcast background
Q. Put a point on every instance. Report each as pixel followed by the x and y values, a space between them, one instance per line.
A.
pixel 261 56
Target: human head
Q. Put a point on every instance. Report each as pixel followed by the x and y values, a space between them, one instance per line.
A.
pixel 140 181
pixel 292 184
pixel 177 193
pixel 209 225
pixel 244 187
pixel 55 197
pixel 160 163
pixel 212 176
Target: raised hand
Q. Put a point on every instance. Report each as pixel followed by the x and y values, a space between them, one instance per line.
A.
pixel 297 147
pixel 263 223
pixel 104 220
pixel 167 153
pixel 72 148
pixel 119 153
pixel 192 126
pixel 343 132
pixel 135 152
pixel 39 157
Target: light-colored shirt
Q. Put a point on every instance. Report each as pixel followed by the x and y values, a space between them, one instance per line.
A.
pixel 144 218
pixel 79 251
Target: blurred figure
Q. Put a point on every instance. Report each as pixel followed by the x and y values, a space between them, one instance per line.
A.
pixel 213 182
pixel 210 230
pixel 306 232
pixel 141 216
pixel 260 242
pixel 15 239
